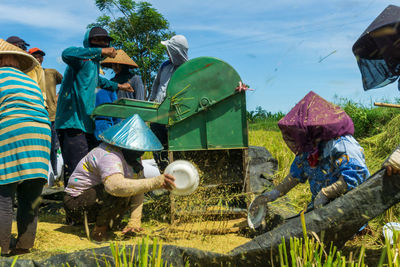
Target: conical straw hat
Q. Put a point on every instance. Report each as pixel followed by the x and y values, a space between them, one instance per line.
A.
pixel 26 61
pixel 121 58
pixel 132 133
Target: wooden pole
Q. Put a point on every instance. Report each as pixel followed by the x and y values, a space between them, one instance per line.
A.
pixel 379 104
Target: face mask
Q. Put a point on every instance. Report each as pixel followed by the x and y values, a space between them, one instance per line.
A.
pixel 97 46
pixel 132 157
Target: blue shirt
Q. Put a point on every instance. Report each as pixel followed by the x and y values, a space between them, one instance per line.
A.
pixel 102 123
pixel 342 156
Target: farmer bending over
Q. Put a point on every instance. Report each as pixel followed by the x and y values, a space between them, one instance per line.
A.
pixel 102 185
pixel 327 155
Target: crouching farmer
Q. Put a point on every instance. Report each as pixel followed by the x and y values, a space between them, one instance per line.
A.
pixel 103 184
pixel 327 155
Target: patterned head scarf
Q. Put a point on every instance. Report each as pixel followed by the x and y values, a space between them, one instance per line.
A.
pixel 311 121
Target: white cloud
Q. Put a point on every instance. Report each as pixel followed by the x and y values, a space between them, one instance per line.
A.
pixel 70 17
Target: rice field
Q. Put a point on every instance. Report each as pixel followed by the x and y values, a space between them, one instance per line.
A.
pixel 54 237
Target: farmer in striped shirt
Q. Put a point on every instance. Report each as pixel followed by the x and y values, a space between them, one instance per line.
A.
pixel 24 147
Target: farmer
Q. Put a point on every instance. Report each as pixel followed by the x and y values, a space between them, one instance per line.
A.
pixel 37 73
pixel 76 100
pixel 177 50
pixel 327 155
pixel 24 147
pixel 392 163
pixel 103 184
pixel 52 78
pixel 120 65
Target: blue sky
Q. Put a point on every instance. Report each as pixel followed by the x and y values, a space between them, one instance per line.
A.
pixel 276 46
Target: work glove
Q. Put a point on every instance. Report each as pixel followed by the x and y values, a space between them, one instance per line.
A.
pixel 392 163
pixel 266 197
pixel 271 196
pixel 320 200
pixel 257 209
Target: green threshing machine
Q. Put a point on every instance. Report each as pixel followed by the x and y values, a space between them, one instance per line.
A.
pixel 205 117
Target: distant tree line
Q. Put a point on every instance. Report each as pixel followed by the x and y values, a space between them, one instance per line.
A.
pixel 260 114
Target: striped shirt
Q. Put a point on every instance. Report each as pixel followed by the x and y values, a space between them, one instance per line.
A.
pixel 24 128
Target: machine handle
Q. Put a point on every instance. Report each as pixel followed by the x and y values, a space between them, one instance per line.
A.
pixel 379 104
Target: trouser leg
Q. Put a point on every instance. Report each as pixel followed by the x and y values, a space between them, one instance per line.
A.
pixel 7 194
pixel 91 141
pixel 112 208
pixel 100 206
pixel 74 147
pixel 54 147
pixel 87 202
pixel 161 157
pixel 28 195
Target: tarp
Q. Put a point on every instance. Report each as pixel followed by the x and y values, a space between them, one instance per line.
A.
pixel 339 220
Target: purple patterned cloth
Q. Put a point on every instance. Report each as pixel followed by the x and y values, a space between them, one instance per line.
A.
pixel 311 121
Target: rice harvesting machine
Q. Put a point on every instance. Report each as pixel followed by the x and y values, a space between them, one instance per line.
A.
pixel 205 118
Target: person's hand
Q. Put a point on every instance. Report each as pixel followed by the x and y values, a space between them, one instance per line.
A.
pixel 391 170
pixel 168 182
pixel 109 52
pixel 258 208
pixel 243 87
pixel 272 195
pixel 132 230
pixel 392 164
pixel 266 197
pixel 125 87
pixel 320 200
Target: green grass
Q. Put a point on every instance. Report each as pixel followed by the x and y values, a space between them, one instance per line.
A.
pixel 266 125
pixel 377 148
pixel 273 142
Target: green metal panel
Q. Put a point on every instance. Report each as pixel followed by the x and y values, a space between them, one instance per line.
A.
pixel 222 126
pixel 226 124
pixel 201 108
pixel 189 134
pixel 199 83
pixel 137 103
pixel 124 108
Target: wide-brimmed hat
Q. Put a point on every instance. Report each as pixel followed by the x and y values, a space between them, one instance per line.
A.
pixel 132 133
pixel 26 61
pixel 120 58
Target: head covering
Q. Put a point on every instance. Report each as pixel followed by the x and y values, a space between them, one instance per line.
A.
pixel 26 61
pixel 177 48
pixel 376 50
pixel 36 50
pixel 15 40
pixel 132 133
pixel 311 121
pixel 99 32
pixel 120 58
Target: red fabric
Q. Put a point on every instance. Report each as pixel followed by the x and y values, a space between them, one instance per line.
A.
pixel 34 50
pixel 313 158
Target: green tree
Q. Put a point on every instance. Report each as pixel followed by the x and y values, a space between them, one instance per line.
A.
pixel 138 29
